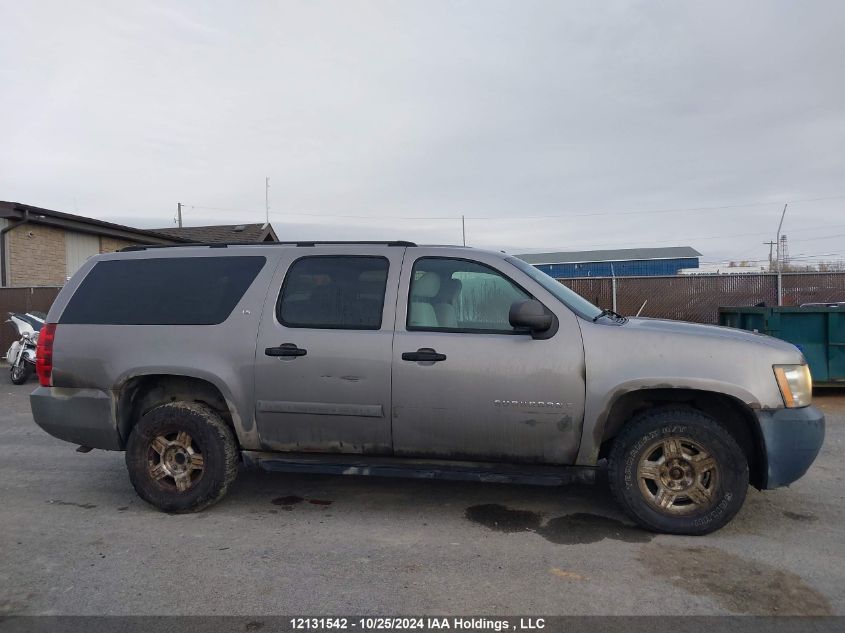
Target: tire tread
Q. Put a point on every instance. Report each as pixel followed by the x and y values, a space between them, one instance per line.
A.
pixel 647 421
pixel 221 432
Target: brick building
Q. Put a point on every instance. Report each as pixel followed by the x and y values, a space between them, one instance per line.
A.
pixel 40 247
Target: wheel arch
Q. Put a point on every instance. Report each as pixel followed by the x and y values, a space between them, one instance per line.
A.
pixel 140 393
pixel 735 416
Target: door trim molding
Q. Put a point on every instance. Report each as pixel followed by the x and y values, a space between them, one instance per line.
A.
pixel 321 408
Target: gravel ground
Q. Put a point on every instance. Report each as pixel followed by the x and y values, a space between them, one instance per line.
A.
pixel 75 539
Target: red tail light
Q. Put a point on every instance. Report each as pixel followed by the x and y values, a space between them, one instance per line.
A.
pixel 44 354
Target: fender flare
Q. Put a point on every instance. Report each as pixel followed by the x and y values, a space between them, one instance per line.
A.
pixel 598 408
pixel 244 425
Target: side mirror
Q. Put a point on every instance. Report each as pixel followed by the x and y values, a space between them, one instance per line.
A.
pixel 534 316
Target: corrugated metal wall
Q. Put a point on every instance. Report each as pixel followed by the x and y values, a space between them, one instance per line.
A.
pixel 78 248
pixel 625 268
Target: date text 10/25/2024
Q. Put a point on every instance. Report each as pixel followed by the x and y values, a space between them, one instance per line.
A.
pixel 416 624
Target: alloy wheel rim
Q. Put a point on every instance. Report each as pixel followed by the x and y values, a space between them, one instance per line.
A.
pixel 175 461
pixel 678 476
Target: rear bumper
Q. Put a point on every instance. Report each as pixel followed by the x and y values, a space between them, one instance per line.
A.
pixel 792 439
pixel 80 416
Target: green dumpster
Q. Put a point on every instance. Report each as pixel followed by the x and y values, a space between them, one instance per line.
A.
pixel 817 330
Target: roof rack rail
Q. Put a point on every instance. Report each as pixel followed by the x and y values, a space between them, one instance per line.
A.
pixel 143 247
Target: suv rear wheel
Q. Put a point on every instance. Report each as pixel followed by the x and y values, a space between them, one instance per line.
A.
pixel 181 457
pixel 677 470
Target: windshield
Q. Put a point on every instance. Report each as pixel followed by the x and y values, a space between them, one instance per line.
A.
pixel 570 298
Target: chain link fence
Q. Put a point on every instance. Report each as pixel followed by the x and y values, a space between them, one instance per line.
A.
pixel 694 298
pixel 801 288
pixel 698 298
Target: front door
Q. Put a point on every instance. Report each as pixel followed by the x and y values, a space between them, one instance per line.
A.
pixel 322 365
pixel 466 385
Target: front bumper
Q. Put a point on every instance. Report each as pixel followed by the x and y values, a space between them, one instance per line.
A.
pixel 792 439
pixel 81 416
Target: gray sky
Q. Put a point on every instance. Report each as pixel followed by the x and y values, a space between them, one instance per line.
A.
pixel 416 111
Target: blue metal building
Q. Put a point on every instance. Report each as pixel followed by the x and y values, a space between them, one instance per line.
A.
pixel 626 262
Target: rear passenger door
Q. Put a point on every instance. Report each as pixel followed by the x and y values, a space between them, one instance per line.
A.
pixel 322 365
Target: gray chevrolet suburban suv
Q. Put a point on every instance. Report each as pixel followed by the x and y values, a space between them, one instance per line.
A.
pixel 397 359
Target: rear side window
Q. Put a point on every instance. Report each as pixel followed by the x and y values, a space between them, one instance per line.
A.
pixel 162 291
pixel 329 292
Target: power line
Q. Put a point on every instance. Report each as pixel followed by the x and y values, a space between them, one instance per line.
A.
pixel 824 237
pixel 676 210
pixel 463 218
pixel 814 255
pixel 756 260
pixel 334 215
pixel 517 217
pixel 690 239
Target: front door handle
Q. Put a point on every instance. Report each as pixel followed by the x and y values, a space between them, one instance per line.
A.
pixel 424 354
pixel 285 349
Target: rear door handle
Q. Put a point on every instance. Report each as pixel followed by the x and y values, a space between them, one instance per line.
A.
pixel 285 349
pixel 423 354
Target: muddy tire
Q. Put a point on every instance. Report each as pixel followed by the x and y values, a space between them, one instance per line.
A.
pixel 181 457
pixel 678 471
pixel 20 374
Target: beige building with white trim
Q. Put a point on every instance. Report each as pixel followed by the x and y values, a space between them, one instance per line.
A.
pixel 41 247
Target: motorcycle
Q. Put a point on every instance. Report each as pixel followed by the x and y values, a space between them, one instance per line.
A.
pixel 21 354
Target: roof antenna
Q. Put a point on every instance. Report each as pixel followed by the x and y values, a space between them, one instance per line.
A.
pixel 267 201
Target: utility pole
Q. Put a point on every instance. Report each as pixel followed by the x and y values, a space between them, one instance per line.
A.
pixel 464 229
pixel 771 250
pixel 267 199
pixel 179 214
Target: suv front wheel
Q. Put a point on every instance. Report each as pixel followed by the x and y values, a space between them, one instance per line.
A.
pixel 678 471
pixel 181 457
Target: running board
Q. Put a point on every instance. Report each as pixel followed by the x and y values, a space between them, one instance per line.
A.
pixel 542 475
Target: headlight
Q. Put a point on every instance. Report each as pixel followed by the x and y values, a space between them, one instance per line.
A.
pixel 796 385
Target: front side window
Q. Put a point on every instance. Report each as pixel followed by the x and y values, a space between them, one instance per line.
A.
pixel 334 292
pixel 460 295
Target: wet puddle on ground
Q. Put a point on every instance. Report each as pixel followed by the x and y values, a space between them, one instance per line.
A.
pixel 570 529
pixel 738 584
pixel 799 516
pixel 289 501
pixel 84 506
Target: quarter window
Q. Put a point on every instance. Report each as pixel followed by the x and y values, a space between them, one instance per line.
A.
pixel 344 292
pixel 162 290
pixel 460 295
